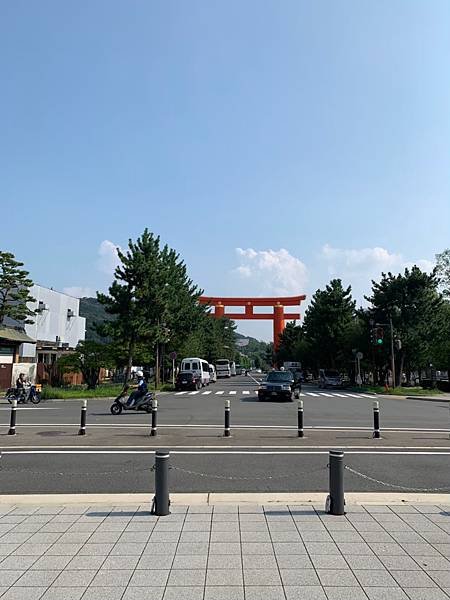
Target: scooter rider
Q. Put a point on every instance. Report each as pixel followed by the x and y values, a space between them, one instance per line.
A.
pixel 139 392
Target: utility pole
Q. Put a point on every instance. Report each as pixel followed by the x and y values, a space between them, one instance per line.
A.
pixel 392 351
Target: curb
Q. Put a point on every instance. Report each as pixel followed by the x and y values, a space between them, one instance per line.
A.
pixel 208 499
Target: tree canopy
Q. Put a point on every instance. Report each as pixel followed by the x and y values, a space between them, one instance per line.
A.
pixel 14 290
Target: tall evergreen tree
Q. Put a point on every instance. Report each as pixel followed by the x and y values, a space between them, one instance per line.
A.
pixel 152 299
pixel 328 320
pixel 14 290
pixel 412 302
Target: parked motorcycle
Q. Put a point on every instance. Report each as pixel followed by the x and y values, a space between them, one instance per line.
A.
pixel 120 403
pixel 29 393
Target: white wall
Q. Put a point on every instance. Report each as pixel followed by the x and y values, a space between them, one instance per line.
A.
pixel 48 324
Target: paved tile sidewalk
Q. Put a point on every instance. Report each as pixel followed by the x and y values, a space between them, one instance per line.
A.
pixel 225 553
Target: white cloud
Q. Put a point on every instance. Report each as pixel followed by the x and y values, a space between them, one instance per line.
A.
pixel 271 271
pixel 108 259
pixel 358 266
pixel 79 291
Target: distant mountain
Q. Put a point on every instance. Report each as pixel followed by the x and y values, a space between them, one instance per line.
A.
pixel 256 350
pixel 94 312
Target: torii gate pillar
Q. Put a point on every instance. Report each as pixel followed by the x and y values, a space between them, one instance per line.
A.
pixel 278 316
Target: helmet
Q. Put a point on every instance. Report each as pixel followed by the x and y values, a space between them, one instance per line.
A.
pixel 140 374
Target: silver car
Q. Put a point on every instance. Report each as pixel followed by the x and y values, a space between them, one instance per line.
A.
pixel 329 378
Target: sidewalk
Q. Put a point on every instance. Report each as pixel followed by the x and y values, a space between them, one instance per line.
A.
pixel 224 552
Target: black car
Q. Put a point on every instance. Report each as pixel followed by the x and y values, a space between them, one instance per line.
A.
pixel 279 385
pixel 187 381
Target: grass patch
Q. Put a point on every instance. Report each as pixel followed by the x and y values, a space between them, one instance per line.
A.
pixel 81 391
pixel 398 391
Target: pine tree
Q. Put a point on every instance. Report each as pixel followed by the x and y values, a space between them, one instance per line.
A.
pixel 14 290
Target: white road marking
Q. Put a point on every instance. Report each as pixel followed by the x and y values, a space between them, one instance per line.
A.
pixel 339 395
pixel 31 408
pixel 219 393
pixel 302 395
pixel 206 393
pixel 216 426
pixel 180 393
pixel 323 394
pixel 352 396
pixel 367 396
pixel 312 394
pixel 194 393
pixel 136 447
pixel 192 452
pixel 245 392
pixel 232 393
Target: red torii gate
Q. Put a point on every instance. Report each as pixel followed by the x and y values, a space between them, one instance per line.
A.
pixel 278 316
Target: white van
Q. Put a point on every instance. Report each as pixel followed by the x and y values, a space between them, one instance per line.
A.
pixel 198 367
pixel 212 374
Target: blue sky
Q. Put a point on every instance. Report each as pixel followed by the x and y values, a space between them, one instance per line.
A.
pixel 313 136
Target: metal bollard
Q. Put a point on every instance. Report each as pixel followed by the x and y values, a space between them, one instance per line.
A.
pixel 161 500
pixel 376 420
pixel 82 430
pixel 227 431
pixel 300 418
pixel 335 501
pixel 154 417
pixel 12 423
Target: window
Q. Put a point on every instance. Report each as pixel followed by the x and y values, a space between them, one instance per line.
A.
pixel 186 366
pixel 205 367
pixel 195 366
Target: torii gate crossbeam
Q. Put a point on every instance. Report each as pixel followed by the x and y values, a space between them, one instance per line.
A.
pixel 278 316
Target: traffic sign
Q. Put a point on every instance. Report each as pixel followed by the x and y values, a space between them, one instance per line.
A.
pixel 173 355
pixel 359 355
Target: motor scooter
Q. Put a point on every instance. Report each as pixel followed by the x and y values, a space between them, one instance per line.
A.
pixel 120 403
pixel 24 395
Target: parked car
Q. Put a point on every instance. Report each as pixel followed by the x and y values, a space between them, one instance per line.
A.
pixel 186 380
pixel 279 385
pixel 329 378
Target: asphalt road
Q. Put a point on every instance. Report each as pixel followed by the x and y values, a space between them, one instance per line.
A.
pixel 264 452
pixel 333 408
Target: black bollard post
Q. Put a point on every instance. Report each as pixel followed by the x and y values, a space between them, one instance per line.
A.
pixel 300 418
pixel 336 501
pixel 12 423
pixel 376 420
pixel 227 431
pixel 154 417
pixel 82 430
pixel 161 501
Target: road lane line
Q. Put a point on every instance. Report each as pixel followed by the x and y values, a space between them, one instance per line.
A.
pixel 222 452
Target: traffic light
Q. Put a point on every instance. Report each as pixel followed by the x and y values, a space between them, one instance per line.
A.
pixel 379 340
pixel 372 336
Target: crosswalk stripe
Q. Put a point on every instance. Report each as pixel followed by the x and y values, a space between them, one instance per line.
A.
pixel 352 395
pixel 193 393
pixel 302 395
pixel 232 393
pixel 340 395
pixel 219 393
pixel 180 393
pixel 366 396
pixel 246 392
pixel 312 394
pixel 206 393
pixel 323 394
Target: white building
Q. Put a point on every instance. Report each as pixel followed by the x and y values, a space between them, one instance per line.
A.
pixel 57 325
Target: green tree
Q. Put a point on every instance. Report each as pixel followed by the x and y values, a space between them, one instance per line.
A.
pixel 152 300
pixel 412 302
pixel 88 358
pixel 328 323
pixel 14 290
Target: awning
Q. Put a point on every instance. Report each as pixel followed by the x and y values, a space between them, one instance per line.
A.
pixel 13 335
